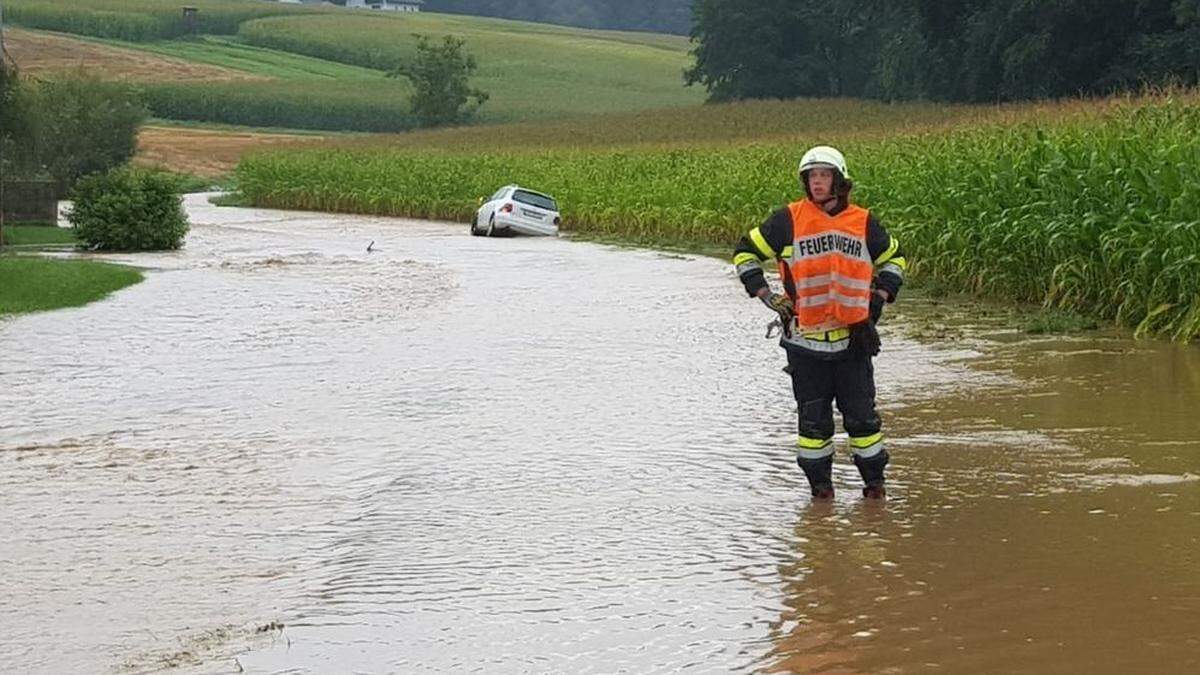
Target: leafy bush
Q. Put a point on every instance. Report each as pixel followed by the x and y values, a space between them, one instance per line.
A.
pixel 128 210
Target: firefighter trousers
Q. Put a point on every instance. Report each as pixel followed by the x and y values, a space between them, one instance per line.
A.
pixel 849 382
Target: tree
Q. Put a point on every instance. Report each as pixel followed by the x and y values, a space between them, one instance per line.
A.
pixel 81 125
pixel 439 74
pixel 1173 53
pixel 749 49
pixel 14 120
pixel 950 50
pixel 789 48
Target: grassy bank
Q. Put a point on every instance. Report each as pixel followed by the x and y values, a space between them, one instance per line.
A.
pixel 38 235
pixel 30 284
pixel 1087 208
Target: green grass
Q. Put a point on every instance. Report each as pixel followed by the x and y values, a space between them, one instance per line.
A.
pixel 38 235
pixel 30 284
pixel 185 183
pixel 1088 208
pixel 228 52
pixel 1055 321
pixel 531 71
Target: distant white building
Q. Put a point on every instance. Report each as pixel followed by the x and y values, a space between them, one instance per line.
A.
pixel 386 5
pixel 402 5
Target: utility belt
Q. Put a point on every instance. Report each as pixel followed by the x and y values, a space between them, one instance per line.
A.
pixel 835 335
pixel 830 342
pixel 797 336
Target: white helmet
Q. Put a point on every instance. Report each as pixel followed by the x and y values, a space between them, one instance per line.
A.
pixel 823 157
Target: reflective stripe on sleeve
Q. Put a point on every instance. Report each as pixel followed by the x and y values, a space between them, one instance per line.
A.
pixel 744 257
pixel 761 244
pixel 746 262
pixel 892 268
pixel 893 246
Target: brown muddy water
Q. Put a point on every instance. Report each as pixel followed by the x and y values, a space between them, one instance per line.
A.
pixel 284 454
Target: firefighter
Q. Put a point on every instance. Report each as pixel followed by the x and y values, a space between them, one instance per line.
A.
pixel 839 267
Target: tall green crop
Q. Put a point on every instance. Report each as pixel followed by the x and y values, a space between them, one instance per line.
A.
pixel 1099 213
pixel 141 20
pixel 380 106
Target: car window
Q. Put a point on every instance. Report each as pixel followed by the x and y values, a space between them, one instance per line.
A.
pixel 498 195
pixel 534 199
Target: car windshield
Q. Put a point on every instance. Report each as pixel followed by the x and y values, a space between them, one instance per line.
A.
pixel 534 199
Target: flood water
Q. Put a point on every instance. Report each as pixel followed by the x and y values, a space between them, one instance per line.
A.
pixel 284 453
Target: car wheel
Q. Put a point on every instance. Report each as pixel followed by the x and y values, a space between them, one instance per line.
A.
pixel 491 231
pixel 475 227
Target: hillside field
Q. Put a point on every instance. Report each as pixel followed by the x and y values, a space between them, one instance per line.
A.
pixel 318 59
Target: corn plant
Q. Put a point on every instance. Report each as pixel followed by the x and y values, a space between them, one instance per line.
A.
pixel 1093 209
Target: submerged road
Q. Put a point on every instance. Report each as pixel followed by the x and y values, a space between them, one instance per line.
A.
pixel 283 453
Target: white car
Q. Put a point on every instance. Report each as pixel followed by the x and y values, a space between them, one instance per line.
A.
pixel 516 209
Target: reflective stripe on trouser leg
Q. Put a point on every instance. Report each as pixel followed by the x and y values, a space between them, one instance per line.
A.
pixel 815 448
pixel 867 446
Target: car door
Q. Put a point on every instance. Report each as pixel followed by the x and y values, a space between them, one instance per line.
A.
pixel 490 206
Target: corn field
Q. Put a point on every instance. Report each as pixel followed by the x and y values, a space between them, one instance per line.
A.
pixel 1095 213
pixel 359 106
pixel 141 20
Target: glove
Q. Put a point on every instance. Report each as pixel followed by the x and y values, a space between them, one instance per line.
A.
pixel 864 339
pixel 781 305
pixel 876 308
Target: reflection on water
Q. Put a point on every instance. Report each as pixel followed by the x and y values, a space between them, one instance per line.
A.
pixel 455 453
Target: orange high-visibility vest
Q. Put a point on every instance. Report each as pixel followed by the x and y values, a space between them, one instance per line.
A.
pixel 830 268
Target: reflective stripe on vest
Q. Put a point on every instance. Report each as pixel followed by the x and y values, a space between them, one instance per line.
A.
pixel 830 266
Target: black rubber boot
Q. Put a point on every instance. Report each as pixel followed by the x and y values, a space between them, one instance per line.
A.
pixel 820 475
pixel 871 470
